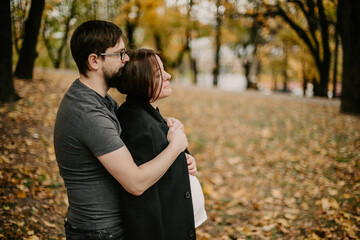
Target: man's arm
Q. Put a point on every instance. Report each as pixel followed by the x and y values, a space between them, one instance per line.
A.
pixel 136 179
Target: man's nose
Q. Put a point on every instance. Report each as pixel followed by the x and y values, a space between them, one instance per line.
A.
pixel 127 58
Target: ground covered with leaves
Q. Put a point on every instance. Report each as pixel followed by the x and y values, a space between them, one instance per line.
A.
pixel 271 167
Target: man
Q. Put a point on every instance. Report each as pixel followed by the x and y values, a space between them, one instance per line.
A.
pixel 91 156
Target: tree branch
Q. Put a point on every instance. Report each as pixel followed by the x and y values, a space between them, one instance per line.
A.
pixel 310 17
pixel 313 23
pixel 299 31
pixel 324 26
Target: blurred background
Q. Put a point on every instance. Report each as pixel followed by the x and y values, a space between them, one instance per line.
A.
pixel 271 45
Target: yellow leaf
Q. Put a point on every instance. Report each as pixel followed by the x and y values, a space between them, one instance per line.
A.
pixel 246 230
pixel 347 196
pixel 334 204
pixel 21 194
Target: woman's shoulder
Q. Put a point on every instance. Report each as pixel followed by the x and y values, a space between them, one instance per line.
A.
pixel 134 115
pixel 130 110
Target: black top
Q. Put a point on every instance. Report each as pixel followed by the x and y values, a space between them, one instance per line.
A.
pixel 164 211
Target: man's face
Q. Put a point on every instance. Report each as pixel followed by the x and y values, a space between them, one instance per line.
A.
pixel 114 65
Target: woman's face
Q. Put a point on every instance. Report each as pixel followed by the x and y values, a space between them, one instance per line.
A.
pixel 163 76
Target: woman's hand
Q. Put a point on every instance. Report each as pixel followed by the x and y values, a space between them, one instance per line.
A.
pixel 173 122
pixel 191 164
pixel 177 139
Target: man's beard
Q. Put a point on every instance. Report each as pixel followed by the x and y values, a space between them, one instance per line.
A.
pixel 112 80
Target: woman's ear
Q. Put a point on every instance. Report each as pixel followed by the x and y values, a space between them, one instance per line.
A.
pixel 93 61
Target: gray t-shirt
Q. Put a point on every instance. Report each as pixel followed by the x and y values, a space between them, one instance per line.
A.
pixel 86 127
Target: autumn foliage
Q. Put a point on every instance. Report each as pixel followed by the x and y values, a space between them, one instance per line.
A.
pixel 271 167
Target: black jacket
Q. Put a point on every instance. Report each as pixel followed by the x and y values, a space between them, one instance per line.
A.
pixel 164 211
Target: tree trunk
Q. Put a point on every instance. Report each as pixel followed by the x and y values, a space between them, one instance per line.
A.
pixel 274 80
pixel 194 69
pixel 326 54
pixel 284 72
pixel 252 62
pixel 336 52
pixel 324 80
pixel 7 91
pixel 130 25
pixel 216 69
pixel 305 78
pixel 130 28
pixel 247 66
pixel 25 65
pixel 348 26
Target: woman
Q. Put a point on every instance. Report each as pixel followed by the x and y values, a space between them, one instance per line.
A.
pixel 167 209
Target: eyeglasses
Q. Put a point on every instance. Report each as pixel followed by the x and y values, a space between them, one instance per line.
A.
pixel 121 54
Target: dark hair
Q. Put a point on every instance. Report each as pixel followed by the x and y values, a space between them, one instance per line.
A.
pixel 140 75
pixel 93 37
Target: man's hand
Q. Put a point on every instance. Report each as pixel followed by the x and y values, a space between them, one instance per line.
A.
pixel 173 122
pixel 191 164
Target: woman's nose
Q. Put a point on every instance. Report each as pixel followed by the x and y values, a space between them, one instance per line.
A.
pixel 167 76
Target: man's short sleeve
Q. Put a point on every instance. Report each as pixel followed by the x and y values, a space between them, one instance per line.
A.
pixel 100 133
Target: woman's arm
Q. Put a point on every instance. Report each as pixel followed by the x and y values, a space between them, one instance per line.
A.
pixel 136 179
pixel 191 164
pixel 190 159
pixel 173 122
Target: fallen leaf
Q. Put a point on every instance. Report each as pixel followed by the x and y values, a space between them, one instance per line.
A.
pixel 48 224
pixel 21 194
